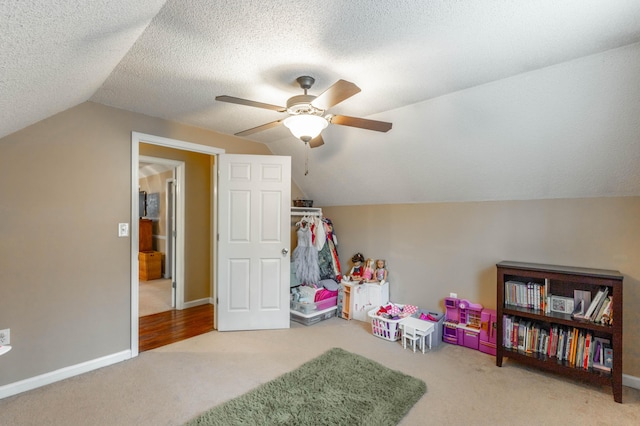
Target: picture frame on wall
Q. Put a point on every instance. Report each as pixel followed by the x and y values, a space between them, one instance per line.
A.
pixel 562 305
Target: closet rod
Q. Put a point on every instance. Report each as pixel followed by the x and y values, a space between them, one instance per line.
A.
pixel 306 211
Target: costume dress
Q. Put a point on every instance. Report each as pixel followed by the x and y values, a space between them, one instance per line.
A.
pixel 305 257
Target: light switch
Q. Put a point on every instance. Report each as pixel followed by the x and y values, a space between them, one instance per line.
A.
pixel 123 230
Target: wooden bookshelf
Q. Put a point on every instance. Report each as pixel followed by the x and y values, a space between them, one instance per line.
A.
pixel 561 281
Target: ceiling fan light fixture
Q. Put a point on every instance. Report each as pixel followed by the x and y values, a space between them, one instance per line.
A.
pixel 305 126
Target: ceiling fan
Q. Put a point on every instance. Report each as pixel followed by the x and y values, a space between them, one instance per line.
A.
pixel 306 118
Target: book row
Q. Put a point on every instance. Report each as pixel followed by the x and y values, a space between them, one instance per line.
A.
pixel 527 295
pixel 572 346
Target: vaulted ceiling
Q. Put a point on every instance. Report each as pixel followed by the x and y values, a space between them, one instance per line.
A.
pixel 489 99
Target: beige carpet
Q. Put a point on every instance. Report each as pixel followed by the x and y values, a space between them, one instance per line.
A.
pixel 154 296
pixel 170 385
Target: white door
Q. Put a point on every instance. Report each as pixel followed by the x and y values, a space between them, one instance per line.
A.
pixel 254 196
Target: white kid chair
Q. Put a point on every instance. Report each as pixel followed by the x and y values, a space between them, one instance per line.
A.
pixel 410 333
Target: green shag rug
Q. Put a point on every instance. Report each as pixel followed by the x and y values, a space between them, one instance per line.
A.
pixel 336 388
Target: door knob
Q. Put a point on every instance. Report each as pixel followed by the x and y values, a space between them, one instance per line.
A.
pixel 285 251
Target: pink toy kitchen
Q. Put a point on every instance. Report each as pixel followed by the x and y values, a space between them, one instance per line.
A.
pixel 469 324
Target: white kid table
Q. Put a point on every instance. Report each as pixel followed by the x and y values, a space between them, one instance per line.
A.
pixel 423 328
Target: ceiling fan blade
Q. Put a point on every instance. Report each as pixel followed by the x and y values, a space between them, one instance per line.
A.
pixel 363 123
pixel 231 99
pixel 335 94
pixel 259 128
pixel 316 142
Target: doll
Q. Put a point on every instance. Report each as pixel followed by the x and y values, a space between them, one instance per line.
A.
pixel 367 273
pixel 381 270
pixel 356 271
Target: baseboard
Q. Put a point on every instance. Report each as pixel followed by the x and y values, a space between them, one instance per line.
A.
pixel 631 381
pixel 199 302
pixel 61 374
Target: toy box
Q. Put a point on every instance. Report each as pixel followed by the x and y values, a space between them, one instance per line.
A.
pixel 436 338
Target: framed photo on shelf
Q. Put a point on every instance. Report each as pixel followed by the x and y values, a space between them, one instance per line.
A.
pixel 563 305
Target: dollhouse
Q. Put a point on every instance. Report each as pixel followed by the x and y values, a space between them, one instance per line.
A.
pixel 469 324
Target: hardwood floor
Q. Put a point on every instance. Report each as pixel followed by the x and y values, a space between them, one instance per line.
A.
pixel 172 326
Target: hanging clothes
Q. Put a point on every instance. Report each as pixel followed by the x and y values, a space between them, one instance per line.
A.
pixel 332 242
pixel 319 232
pixel 325 261
pixel 305 255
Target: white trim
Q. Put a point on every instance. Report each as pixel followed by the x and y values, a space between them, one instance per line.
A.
pixel 175 143
pixel 136 139
pixel 631 381
pixel 62 373
pixel 199 302
pixel 135 244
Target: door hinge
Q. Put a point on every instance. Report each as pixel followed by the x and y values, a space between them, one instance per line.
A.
pixel 173 285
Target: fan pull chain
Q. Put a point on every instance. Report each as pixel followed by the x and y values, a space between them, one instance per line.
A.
pixel 306 158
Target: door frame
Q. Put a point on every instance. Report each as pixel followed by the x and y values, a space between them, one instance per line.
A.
pixel 136 139
pixel 170 256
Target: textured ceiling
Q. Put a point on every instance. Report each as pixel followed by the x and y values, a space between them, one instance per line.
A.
pixel 489 99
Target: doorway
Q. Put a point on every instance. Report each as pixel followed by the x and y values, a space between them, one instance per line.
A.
pixel 158 285
pixel 182 256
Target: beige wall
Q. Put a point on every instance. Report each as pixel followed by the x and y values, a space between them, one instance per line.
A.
pixel 434 249
pixel 65 287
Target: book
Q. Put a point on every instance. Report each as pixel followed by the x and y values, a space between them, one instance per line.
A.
pixel 574 347
pixel 567 347
pixel 601 367
pixel 553 341
pixel 547 296
pixel 597 301
pixel 600 344
pixel 587 355
pixel 506 331
pixel 608 357
pixel 561 344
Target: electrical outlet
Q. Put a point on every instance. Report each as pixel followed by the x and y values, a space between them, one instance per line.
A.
pixel 454 295
pixel 5 336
